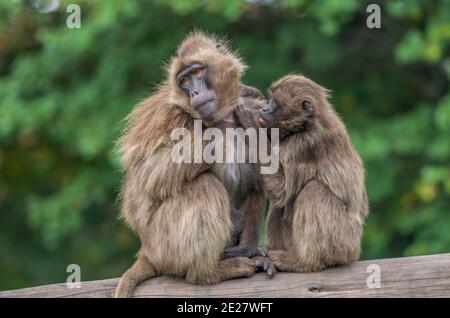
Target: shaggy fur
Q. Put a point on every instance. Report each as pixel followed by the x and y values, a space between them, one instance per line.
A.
pixel 182 212
pixel 318 197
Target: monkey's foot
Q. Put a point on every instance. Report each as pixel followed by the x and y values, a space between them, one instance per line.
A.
pixel 285 262
pixel 264 264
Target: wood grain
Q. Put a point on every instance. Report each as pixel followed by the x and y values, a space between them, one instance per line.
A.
pixel 421 276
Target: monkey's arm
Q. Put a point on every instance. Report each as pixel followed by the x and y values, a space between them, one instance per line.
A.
pixel 247 112
pixel 252 209
pixel 165 177
pixel 275 185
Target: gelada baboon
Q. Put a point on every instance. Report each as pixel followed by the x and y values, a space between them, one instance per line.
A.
pixel 318 198
pixel 247 194
pixel 184 212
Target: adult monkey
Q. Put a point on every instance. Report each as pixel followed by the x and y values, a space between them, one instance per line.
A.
pixel 184 213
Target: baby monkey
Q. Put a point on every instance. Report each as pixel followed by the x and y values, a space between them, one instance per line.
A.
pixel 318 201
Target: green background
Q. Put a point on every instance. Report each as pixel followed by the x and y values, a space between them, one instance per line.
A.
pixel 64 93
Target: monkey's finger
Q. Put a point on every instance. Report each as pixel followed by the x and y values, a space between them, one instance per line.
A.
pixel 262 250
pixel 259 262
pixel 266 265
pixel 271 271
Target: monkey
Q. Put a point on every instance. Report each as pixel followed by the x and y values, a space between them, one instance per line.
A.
pixel 186 214
pixel 250 101
pixel 318 200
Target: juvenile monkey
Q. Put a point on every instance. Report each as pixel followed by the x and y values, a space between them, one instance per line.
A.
pixel 318 198
pixel 250 102
pixel 246 221
pixel 184 212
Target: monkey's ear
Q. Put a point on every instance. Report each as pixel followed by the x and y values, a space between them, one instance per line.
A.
pixel 307 107
pixel 249 91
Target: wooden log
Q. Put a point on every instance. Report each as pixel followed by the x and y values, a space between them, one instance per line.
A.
pixel 420 276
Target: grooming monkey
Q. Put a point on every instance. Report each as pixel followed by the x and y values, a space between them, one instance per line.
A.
pixel 318 198
pixel 189 215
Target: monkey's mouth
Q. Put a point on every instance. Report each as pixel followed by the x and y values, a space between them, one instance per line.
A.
pixel 204 103
pixel 262 121
pixel 206 108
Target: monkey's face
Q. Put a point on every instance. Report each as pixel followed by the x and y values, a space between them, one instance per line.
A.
pixel 205 79
pixel 292 102
pixel 194 81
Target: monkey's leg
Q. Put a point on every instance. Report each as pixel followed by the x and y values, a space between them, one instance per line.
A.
pixel 230 268
pixel 278 235
pixel 277 231
pixel 188 233
pixel 141 270
pixel 324 233
pixel 238 221
pixel 286 262
pixel 252 208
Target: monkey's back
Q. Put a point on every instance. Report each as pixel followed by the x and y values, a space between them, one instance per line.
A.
pixel 321 219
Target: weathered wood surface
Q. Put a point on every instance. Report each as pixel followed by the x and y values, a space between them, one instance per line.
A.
pixel 422 276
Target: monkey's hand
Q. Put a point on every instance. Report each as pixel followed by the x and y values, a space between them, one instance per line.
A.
pixel 247 116
pixel 264 264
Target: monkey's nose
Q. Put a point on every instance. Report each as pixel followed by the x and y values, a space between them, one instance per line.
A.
pixel 196 92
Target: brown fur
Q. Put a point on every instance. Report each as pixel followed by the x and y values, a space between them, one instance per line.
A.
pixel 182 212
pixel 318 198
pixel 249 107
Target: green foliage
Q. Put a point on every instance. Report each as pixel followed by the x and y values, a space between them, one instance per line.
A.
pixel 65 92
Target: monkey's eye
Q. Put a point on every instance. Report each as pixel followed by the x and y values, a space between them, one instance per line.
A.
pixel 185 81
pixel 197 72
